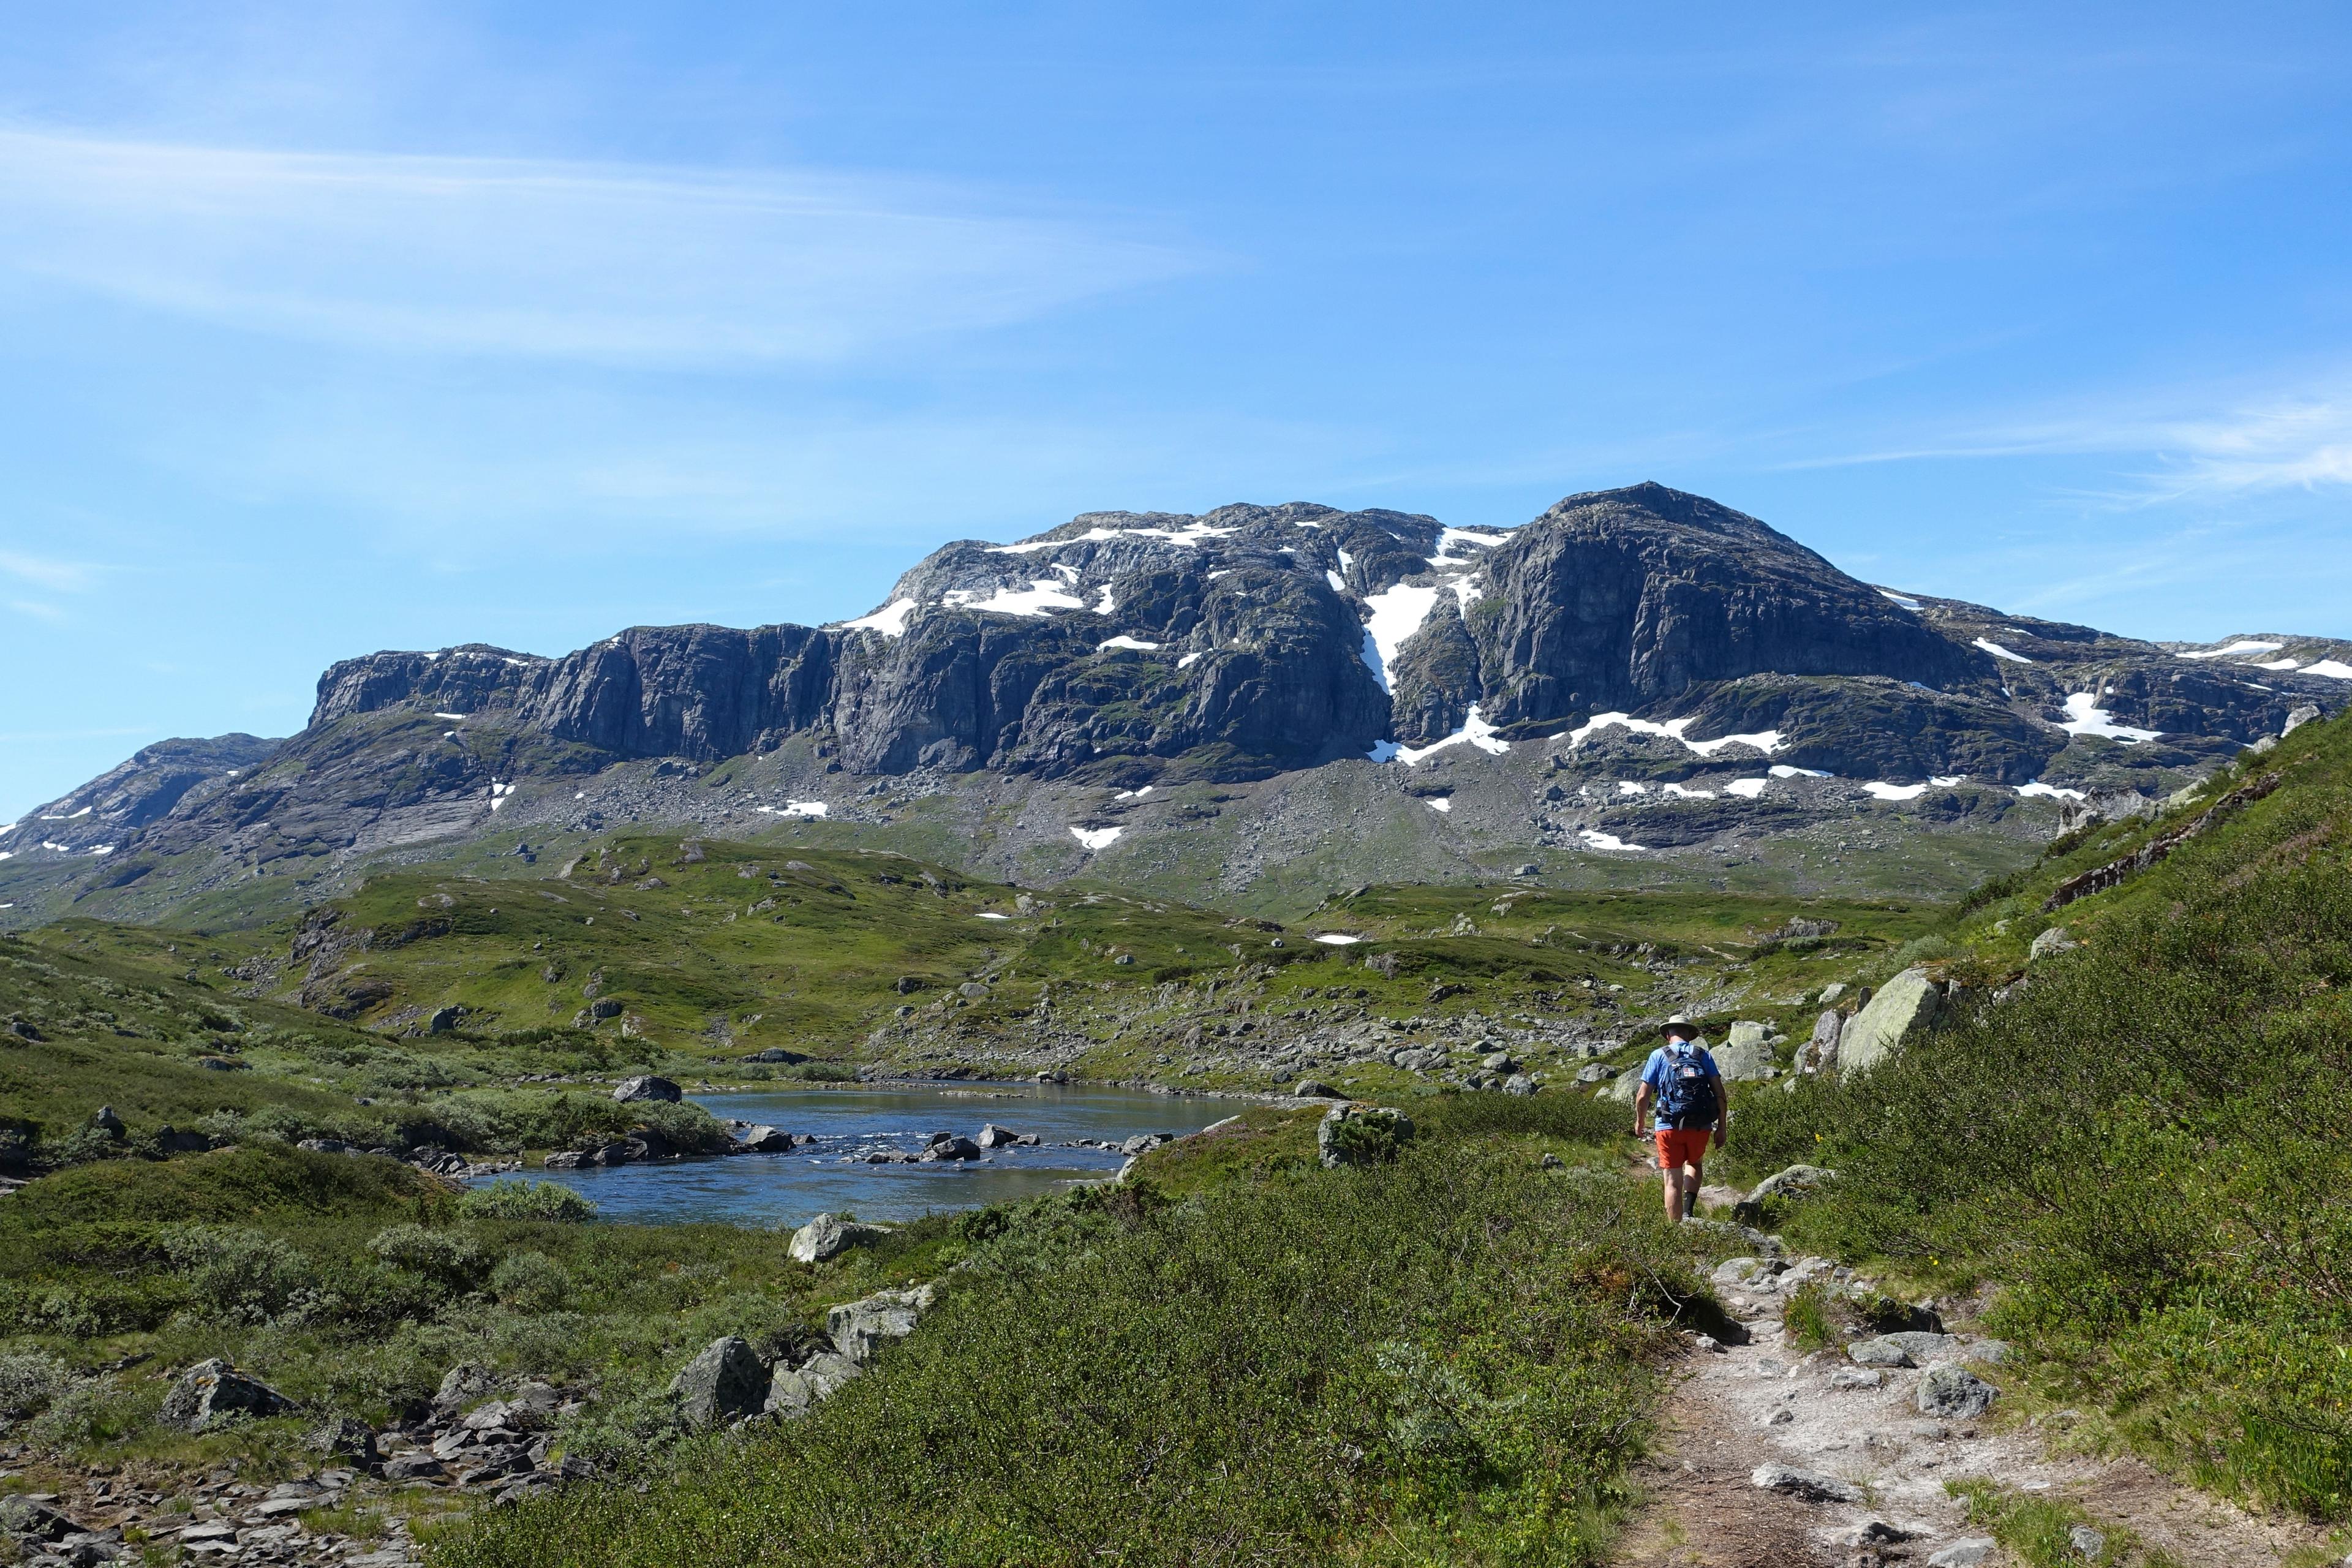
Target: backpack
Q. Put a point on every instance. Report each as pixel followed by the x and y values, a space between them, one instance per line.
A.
pixel 1687 1097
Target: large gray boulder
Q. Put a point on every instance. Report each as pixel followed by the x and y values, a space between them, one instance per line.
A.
pixel 1820 1054
pixel 1795 1181
pixel 1903 1009
pixel 827 1237
pixel 723 1384
pixel 645 1087
pixel 211 1392
pixel 1953 1392
pixel 2049 945
pixel 1744 1058
pixel 1903 1350
pixel 795 1391
pixel 859 1329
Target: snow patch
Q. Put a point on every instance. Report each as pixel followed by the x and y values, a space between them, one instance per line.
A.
pixel 1895 792
pixel 1097 837
pixel 2334 668
pixel 1337 938
pixel 1346 560
pixel 1599 840
pixel 2241 646
pixel 1383 750
pixel 991 915
pixel 102 849
pixel 1397 614
pixel 2086 717
pixel 1746 789
pixel 1189 537
pixel 1441 804
pixel 1765 740
pixel 1123 641
pixel 1042 597
pixel 890 620
pixel 1683 792
pixel 1474 731
pixel 803 808
pixel 499 792
pixel 1626 788
pixel 1997 651
pixel 2279 664
pixel 2052 791
pixel 1108 603
pixel 1449 541
pixel 1187 661
pixel 1338 583
pixel 1908 604
pixel 1783 771
pixel 455 716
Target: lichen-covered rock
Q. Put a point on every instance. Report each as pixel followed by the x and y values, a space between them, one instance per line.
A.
pixel 1902 1009
pixel 1953 1392
pixel 827 1237
pixel 794 1391
pixel 1792 1182
pixel 646 1087
pixel 859 1329
pixel 211 1392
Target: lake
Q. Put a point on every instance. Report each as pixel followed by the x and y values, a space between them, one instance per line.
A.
pixel 831 1175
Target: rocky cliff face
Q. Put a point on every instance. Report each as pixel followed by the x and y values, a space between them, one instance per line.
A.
pixel 1675 661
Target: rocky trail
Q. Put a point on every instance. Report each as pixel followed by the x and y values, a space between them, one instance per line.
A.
pixel 1774 1457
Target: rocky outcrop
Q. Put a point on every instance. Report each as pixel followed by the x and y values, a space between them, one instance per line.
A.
pixel 1902 1007
pixel 213 1391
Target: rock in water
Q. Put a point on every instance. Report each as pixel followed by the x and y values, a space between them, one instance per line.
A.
pixel 726 1382
pixel 1953 1392
pixel 646 1087
pixel 211 1391
pixel 765 1141
pixel 826 1238
pixel 1901 1010
pixel 861 1327
pixel 992 1136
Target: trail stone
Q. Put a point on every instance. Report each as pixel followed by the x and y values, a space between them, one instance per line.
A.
pixel 724 1382
pixel 1901 1011
pixel 1953 1392
pixel 827 1237
pixel 1855 1377
pixel 645 1087
pixel 1810 1485
pixel 2086 1539
pixel 1966 1553
pixel 1903 1350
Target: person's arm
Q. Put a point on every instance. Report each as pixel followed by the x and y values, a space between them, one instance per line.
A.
pixel 1723 1114
pixel 1641 1104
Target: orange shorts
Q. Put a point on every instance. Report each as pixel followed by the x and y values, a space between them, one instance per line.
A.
pixel 1680 1146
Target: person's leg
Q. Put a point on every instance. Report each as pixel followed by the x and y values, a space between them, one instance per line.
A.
pixel 1693 1178
pixel 1674 1174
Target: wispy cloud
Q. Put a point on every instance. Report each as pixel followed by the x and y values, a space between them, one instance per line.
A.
pixel 549 258
pixel 45 571
pixel 38 610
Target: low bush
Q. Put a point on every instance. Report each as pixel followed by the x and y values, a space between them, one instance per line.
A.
pixel 548 1201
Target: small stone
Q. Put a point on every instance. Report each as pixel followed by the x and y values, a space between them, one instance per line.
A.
pixel 1966 1553
pixel 1780 1418
pixel 1855 1377
pixel 1952 1391
pixel 1810 1485
pixel 1710 1343
pixel 2088 1541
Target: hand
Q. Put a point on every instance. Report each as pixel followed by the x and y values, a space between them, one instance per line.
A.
pixel 1720 1133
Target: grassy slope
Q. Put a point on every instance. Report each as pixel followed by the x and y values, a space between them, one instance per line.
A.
pixel 743 950
pixel 2146 1147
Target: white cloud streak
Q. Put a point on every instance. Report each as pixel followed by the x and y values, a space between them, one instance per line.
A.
pixel 546 259
pixel 58 576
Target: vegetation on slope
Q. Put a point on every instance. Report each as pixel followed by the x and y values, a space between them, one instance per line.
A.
pixel 2144 1147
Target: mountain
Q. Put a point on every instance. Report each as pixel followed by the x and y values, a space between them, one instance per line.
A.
pixel 1263 701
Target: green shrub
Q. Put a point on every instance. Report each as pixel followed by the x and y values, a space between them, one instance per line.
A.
pixel 1805 1319
pixel 530 1281
pixel 447 1257
pixel 245 1277
pixel 549 1201
pixel 29 1381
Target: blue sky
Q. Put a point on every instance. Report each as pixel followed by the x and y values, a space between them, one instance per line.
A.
pixel 326 328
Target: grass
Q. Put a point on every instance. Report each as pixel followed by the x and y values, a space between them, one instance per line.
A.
pixel 2040 1529
pixel 1446 1358
pixel 2144 1147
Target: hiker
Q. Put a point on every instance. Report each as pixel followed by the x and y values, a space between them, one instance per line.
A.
pixel 1681 1080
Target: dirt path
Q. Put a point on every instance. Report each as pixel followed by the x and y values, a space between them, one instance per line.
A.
pixel 1878 1469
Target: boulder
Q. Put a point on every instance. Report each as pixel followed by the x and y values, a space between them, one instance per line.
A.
pixel 1499 1061
pixel 765 1141
pixel 859 1329
pixel 794 1391
pixel 1968 1552
pixel 776 1054
pixel 1620 1088
pixel 108 1123
pixel 952 1148
pixel 2299 717
pixel 413 1466
pixel 1745 1060
pixel 213 1391
pixel 1901 1010
pixel 645 1087
pixel 1832 991
pixel 1953 1392
pixel 1810 1485
pixel 827 1237
pixel 461 1385
pixel 1747 1032
pixel 444 1019
pixel 1820 1054
pixel 2050 943
pixel 992 1136
pixel 723 1384
pixel 2088 1541
pixel 1316 1088
pixel 34 1521
pixel 344 1437
pixel 1518 1083
pixel 1791 1182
